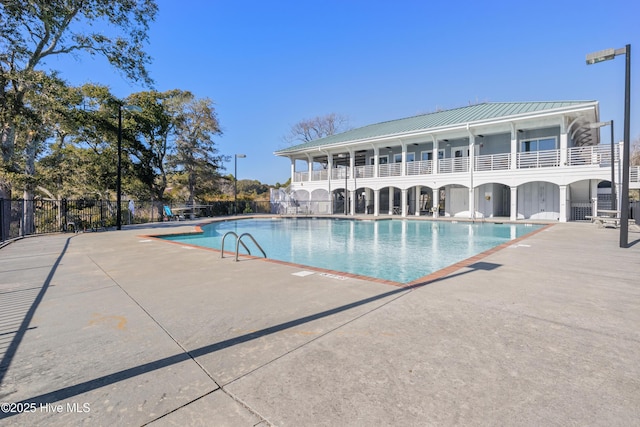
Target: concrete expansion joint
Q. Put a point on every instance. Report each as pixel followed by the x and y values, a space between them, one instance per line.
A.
pixel 242 403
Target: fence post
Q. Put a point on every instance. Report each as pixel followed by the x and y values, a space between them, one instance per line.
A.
pixel 5 219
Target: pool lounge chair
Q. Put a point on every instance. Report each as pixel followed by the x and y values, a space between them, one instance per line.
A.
pixel 170 215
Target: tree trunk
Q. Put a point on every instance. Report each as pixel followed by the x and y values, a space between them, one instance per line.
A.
pixel 192 186
pixel 28 214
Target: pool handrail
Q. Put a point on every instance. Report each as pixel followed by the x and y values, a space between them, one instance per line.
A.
pixel 239 241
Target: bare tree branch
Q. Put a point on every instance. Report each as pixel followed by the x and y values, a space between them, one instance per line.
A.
pixel 318 127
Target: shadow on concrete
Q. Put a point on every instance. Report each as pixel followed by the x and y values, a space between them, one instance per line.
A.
pixel 75 390
pixel 22 299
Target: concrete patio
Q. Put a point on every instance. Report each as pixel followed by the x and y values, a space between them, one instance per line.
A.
pixel 112 328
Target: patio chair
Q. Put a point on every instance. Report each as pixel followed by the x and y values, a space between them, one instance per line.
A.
pixel 170 215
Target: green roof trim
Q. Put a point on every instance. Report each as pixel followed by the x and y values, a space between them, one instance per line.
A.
pixel 439 119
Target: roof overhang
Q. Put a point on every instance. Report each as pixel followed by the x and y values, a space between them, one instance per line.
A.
pixel 588 110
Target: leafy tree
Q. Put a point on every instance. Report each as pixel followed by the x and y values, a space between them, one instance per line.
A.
pixel 156 129
pixel 195 153
pixel 635 152
pixel 318 127
pixel 252 187
pixel 33 30
pixel 62 163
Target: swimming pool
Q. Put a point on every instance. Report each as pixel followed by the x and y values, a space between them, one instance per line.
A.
pixel 396 250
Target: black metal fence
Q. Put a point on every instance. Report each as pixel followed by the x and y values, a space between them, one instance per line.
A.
pixel 27 217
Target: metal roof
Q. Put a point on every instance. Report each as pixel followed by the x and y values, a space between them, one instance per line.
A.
pixel 439 119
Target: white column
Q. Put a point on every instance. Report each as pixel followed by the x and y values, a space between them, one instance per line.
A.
pixel 618 168
pixel 329 169
pixel 436 201
pixel 434 156
pixel 352 164
pixel 418 190
pixel 310 168
pixel 563 203
pixel 404 160
pixel 563 144
pixel 513 210
pixel 594 196
pixel 376 202
pixel 352 202
pixel 293 168
pixel 391 201
pixel 472 190
pixel 403 199
pixel 514 148
pixel 376 161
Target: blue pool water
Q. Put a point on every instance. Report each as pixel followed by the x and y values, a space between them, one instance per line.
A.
pixel 396 250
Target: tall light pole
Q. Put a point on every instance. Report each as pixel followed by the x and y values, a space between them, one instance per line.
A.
pixel 235 182
pixel 119 178
pixel 605 55
pixel 614 204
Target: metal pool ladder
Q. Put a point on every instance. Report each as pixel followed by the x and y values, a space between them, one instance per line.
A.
pixel 240 242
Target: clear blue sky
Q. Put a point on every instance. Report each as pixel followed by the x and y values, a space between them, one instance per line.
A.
pixel 269 64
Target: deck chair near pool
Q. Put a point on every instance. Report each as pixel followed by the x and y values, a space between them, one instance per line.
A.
pixel 170 215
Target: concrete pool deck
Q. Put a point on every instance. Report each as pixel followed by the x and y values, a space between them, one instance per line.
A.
pixel 111 328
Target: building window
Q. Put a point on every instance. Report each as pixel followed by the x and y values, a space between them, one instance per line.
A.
pixel 397 158
pixel 428 155
pixel 382 160
pixel 540 144
pixel 459 152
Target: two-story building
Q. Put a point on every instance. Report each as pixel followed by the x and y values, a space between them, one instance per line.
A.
pixel 518 160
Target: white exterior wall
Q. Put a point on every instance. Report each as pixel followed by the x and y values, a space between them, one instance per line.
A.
pixel 503 183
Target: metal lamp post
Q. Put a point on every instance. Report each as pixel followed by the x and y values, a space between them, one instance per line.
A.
pixel 235 182
pixel 614 203
pixel 119 177
pixel 605 55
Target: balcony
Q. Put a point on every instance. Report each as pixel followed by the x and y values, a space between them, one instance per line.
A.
pixel 455 165
pixel 538 159
pixel 300 176
pixel 320 175
pixel 592 155
pixel 339 173
pixel 365 171
pixel 390 169
pixel 597 155
pixel 423 167
pixel 493 162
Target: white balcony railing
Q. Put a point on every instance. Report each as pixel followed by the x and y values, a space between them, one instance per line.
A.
pixel 576 156
pixel 320 175
pixel 422 167
pixel 591 155
pixel 390 169
pixel 300 176
pixel 365 171
pixel 455 165
pixel 493 162
pixel 634 174
pixel 538 159
pixel 339 173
